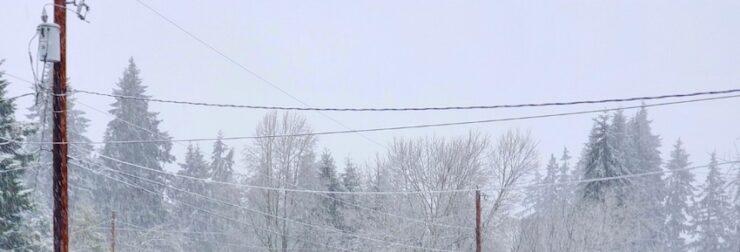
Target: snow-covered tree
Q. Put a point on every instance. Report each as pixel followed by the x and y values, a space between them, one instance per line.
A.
pixel 190 219
pixel 646 192
pixel 221 169
pixel 712 220
pixel 282 162
pixel 15 199
pixel 564 189
pixel 330 181
pixel 85 234
pixel 134 121
pixel 351 177
pixel 222 161
pixel 599 161
pixel 680 193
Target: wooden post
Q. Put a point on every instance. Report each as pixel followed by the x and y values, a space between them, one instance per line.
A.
pixel 59 134
pixel 478 226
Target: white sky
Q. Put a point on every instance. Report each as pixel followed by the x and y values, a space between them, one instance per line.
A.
pixel 405 53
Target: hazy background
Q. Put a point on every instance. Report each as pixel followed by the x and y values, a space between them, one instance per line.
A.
pixel 404 53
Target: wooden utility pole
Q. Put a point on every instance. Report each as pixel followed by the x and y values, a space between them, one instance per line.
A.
pixel 113 232
pixel 478 226
pixel 61 234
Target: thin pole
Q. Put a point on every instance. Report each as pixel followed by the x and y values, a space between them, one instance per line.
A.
pixel 113 232
pixel 61 234
pixel 478 227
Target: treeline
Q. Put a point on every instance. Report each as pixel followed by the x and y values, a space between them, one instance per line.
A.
pixel 415 196
pixel 664 208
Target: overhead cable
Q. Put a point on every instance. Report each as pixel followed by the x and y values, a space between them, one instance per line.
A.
pixel 309 225
pixel 417 126
pixel 499 106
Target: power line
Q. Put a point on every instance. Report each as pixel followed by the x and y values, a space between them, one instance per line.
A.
pixel 418 126
pixel 80 165
pixel 183 233
pixel 246 69
pixel 249 186
pixel 327 229
pixel 522 105
pixel 322 193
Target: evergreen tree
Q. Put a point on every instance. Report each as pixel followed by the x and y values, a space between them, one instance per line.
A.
pixel 736 203
pixel 351 180
pixel 550 193
pixel 543 197
pixel 330 182
pixel 647 192
pixel 190 219
pixel 533 197
pixel 564 190
pixel 222 170
pixel 620 139
pixel 680 193
pixel 222 161
pixel 15 200
pixel 712 220
pixel 134 121
pixel 599 161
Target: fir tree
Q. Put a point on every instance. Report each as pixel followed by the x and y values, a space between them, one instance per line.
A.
pixel 564 190
pixel 680 193
pixel 134 121
pixel 222 170
pixel 533 197
pixel 351 179
pixel 599 161
pixel 222 161
pixel 550 194
pixel 712 220
pixel 647 192
pixel 330 182
pixel 195 167
pixel 15 201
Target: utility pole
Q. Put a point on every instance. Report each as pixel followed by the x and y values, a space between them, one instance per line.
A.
pixel 478 226
pixel 61 234
pixel 113 232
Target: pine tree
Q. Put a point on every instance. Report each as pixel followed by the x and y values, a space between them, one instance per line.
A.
pixel 330 182
pixel 712 221
pixel 134 121
pixel 351 182
pixel 680 193
pixel 192 220
pixel 541 198
pixel 550 193
pixel 564 190
pixel 533 197
pixel 222 170
pixel 351 179
pixel 15 200
pixel 222 161
pixel 599 161
pixel 647 192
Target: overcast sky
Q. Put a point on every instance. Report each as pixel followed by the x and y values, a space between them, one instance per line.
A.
pixel 404 53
